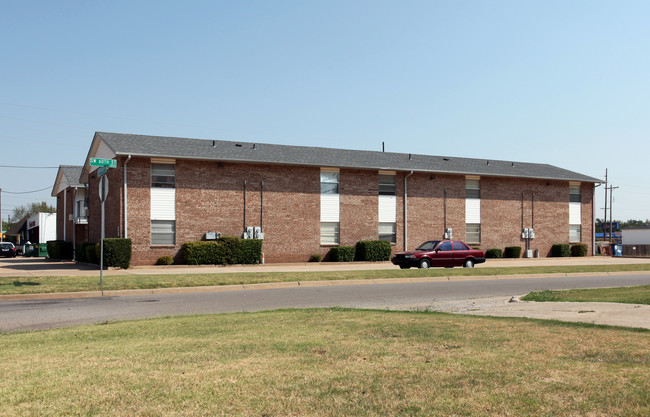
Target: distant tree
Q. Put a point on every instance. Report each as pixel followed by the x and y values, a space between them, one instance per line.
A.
pixel 622 224
pixel 33 208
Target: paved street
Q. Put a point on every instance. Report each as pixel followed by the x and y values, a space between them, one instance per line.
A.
pixel 437 295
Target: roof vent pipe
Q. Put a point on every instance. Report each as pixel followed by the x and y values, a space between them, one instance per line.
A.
pixel 214 143
pixel 409 157
pixel 383 146
pixel 488 162
pixel 253 146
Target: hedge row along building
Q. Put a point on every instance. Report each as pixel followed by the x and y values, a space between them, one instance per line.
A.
pixel 303 200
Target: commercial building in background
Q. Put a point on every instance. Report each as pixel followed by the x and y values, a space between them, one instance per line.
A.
pixel 166 191
pixel 636 241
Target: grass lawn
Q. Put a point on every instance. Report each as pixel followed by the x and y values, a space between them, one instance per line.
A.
pixel 327 362
pixel 28 285
pixel 631 295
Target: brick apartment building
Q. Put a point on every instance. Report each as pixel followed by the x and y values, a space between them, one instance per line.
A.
pixel 72 205
pixel 167 191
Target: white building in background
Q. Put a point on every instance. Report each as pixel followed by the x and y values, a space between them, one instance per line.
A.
pixel 41 227
pixel 636 236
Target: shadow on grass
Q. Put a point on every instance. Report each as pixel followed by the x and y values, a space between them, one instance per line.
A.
pixel 22 283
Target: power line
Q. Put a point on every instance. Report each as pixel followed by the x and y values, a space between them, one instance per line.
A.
pixel 26 167
pixel 25 192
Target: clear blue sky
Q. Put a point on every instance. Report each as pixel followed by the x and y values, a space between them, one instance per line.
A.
pixel 560 82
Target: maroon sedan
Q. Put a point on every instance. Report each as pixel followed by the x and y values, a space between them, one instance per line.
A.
pixel 447 253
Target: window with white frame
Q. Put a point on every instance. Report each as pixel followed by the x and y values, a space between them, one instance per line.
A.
pixel 473 233
pixel 473 210
pixel 575 231
pixel 387 209
pixel 575 213
pixel 163 232
pixel 163 175
pixel 329 181
pixel 387 232
pixel 329 233
pixel 387 184
pixel 163 202
pixel 329 207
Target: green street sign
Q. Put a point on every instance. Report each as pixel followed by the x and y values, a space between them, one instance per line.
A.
pixel 99 162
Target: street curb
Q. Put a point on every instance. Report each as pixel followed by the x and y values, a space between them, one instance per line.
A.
pixel 295 284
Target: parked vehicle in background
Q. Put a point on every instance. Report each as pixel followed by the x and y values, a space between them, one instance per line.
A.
pixel 7 249
pixel 445 253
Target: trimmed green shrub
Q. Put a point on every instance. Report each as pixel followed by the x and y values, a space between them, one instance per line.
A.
pixel 512 252
pixel 249 252
pixel 165 260
pixel 117 252
pixel 80 252
pixel 59 249
pixel 494 253
pixel 372 250
pixel 342 254
pixel 579 249
pixel 88 252
pixel 560 250
pixel 223 251
pixel 203 253
pixel 315 258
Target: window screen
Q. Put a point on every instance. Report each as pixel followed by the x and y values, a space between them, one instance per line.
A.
pixel 163 175
pixel 473 233
pixel 387 232
pixel 329 182
pixel 163 232
pixel 329 233
pixel 386 184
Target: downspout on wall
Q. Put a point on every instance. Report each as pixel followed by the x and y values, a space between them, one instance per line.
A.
pixel 74 225
pixel 65 212
pixel 126 220
pixel 406 211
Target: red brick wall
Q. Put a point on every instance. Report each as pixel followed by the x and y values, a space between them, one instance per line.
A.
pixel 112 207
pixel 210 198
pixel 359 206
pixel 426 207
pixel 501 213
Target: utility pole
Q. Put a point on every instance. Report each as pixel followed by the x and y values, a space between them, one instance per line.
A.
pixel 605 218
pixel 611 203
pixel 1 215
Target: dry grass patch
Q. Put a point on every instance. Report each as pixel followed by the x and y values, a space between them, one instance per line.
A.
pixel 327 363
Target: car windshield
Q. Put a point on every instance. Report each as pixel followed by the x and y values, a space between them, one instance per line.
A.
pixel 428 245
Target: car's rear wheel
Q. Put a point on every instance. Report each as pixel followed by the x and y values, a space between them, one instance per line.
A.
pixel 425 263
pixel 469 263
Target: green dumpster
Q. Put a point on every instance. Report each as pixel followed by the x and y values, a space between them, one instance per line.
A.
pixel 42 249
pixel 29 250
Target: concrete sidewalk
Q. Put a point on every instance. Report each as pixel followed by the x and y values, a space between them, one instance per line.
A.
pixel 611 314
pixel 22 267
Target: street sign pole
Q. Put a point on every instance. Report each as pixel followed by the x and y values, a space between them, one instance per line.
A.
pixel 101 249
pixel 103 191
